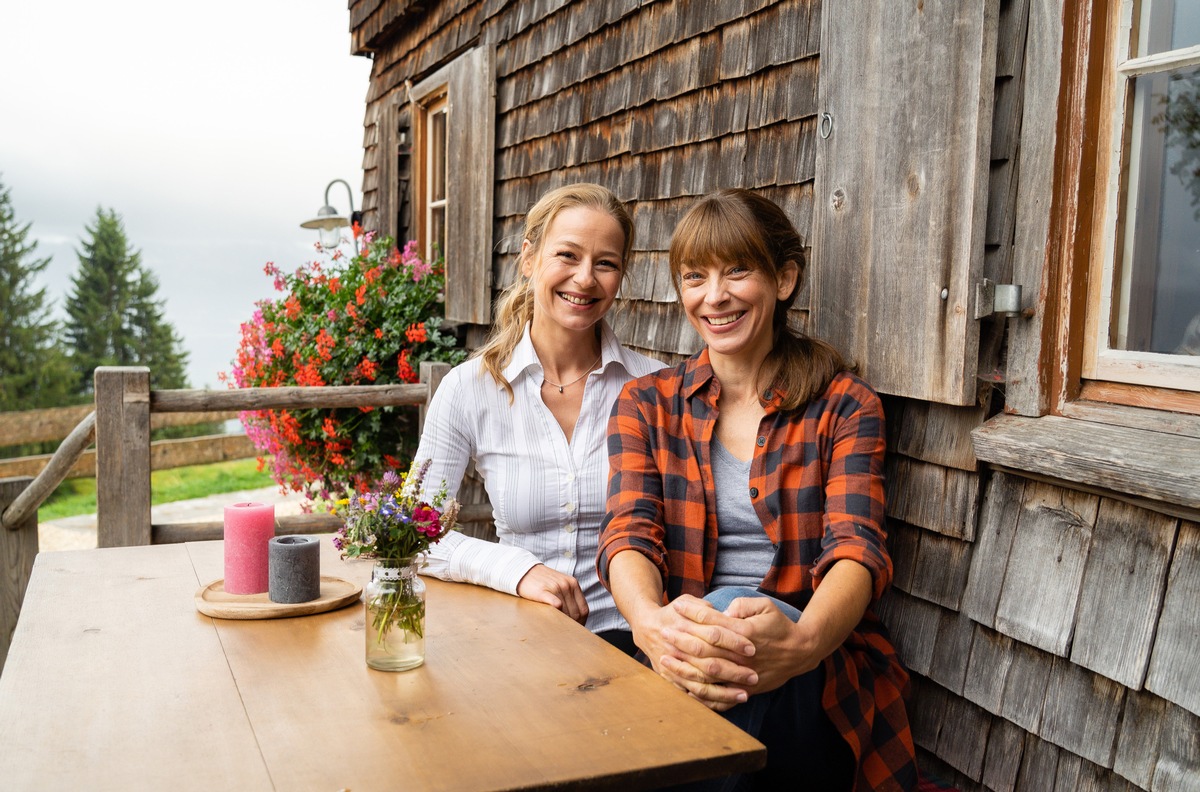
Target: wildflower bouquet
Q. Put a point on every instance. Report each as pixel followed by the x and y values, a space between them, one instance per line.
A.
pixel 366 319
pixel 393 526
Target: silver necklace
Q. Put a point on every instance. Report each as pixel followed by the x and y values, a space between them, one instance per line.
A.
pixel 572 382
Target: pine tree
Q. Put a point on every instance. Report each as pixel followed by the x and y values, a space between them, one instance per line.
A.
pixel 115 318
pixel 34 371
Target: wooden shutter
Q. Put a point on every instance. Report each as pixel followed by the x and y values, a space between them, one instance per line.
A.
pixel 901 189
pixel 470 184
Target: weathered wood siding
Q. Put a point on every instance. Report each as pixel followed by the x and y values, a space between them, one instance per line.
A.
pixel 1044 625
pixel 661 102
pixel 1051 628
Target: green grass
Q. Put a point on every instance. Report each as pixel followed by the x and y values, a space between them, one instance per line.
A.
pixel 78 496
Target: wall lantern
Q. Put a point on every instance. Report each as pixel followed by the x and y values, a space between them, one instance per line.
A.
pixel 329 222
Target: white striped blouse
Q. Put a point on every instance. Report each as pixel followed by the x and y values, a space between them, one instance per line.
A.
pixel 547 495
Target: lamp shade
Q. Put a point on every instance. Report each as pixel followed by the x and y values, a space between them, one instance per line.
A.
pixel 329 223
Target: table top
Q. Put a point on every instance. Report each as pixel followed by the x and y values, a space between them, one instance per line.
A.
pixel 114 680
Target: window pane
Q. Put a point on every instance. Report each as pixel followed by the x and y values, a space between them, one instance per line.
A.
pixel 1158 298
pixel 437 231
pixel 437 152
pixel 1168 25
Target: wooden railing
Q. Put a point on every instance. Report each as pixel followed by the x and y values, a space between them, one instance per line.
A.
pixel 124 413
pixel 54 424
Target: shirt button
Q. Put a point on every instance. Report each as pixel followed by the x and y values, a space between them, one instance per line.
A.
pixel 570 477
pixel 762 441
pixel 567 554
pixel 754 492
pixel 569 527
pixel 570 507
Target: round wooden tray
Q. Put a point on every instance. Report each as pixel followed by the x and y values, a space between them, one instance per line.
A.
pixel 213 601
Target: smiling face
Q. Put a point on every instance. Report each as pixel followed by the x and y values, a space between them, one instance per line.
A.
pixel 576 272
pixel 732 306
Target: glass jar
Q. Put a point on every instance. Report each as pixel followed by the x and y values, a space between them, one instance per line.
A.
pixel 395 615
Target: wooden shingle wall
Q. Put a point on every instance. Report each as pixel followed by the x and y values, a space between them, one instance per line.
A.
pixel 1046 628
pixel 661 102
pixel 1051 633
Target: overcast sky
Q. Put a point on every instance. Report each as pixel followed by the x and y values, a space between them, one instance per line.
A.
pixel 213 128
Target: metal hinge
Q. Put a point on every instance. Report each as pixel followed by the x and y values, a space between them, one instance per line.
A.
pixel 997 298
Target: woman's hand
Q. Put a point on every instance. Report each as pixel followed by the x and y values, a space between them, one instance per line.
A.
pixel 543 584
pixel 700 650
pixel 783 648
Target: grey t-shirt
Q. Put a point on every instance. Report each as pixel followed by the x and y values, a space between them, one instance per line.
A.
pixel 744 551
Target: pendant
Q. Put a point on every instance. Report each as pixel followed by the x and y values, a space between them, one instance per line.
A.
pixel 560 389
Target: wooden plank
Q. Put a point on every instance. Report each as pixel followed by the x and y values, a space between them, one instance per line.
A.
pixel 997 527
pixel 952 645
pixel 18 549
pixel 1045 567
pixel 292 397
pixel 933 497
pixel 1179 753
pixel 1025 389
pixel 963 740
pixel 122 455
pixel 914 630
pixel 940 573
pixel 1039 764
pixel 1082 712
pixel 164 454
pixel 927 712
pixel 1153 465
pixel 1025 686
pixel 1122 591
pixel 471 147
pixel 1140 736
pixel 26 503
pixel 926 72
pixel 932 432
pixel 36 426
pixel 1006 743
pixel 117 713
pixel 1177 644
pixel 903 543
pixel 987 668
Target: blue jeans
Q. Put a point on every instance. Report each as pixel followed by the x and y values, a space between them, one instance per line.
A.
pixel 804 750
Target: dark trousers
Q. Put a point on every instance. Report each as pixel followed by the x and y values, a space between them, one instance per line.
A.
pixel 804 750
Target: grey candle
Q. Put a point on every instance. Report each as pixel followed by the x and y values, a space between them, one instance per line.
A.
pixel 295 569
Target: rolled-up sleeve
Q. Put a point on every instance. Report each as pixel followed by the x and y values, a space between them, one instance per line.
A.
pixel 854 522
pixel 635 488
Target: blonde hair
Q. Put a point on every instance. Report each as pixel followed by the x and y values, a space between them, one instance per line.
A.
pixel 744 227
pixel 514 307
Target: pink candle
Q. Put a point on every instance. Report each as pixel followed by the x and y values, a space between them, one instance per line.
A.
pixel 249 528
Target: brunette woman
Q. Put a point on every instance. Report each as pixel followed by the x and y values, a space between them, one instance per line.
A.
pixel 747 494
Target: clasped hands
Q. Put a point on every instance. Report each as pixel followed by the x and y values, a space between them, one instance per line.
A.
pixel 724 658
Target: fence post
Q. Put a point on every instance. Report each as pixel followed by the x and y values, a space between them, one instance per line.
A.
pixel 122 455
pixel 431 374
pixel 18 547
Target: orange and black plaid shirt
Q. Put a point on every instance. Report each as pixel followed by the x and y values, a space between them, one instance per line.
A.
pixel 816 482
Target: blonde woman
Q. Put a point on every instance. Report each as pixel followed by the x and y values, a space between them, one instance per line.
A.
pixel 531 407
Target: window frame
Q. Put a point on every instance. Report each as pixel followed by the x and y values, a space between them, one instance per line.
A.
pixel 1108 374
pixel 467 86
pixel 434 104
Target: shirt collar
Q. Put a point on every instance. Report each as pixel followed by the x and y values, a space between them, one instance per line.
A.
pixel 525 359
pixel 698 374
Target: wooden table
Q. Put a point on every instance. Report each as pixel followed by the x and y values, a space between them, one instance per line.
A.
pixel 115 681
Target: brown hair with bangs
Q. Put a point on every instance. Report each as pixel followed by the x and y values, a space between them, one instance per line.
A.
pixel 741 226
